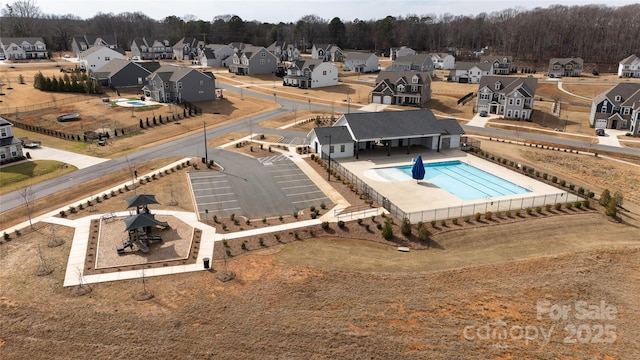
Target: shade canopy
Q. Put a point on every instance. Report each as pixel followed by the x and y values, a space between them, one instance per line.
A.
pixel 417 171
pixel 141 221
pixel 141 200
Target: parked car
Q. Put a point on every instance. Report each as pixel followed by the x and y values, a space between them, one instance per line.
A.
pixel 600 132
pixel 135 58
pixel 484 113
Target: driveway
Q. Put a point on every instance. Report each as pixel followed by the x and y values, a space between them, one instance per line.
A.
pixel 78 160
pixel 611 137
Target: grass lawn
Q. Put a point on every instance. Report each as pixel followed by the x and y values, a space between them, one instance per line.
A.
pixel 31 172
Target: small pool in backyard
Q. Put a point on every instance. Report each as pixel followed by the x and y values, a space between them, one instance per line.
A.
pixel 458 178
pixel 136 103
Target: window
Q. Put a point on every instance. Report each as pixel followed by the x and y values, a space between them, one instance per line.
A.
pixel 324 72
pixel 623 123
pixel 618 98
pixel 484 96
pixel 331 149
pixel 627 111
pixel 166 85
pixel 498 86
pixel 179 85
pixel 518 102
pixel 556 66
pixel 3 132
pixel 263 54
pixel 107 58
pixel 510 101
pixel 414 80
pixel 568 67
pixel 263 61
pixel 3 156
pixel 508 113
pixel 342 148
pixel 139 81
pixel 201 82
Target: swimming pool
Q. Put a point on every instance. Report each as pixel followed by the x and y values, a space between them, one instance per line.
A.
pixel 136 103
pixel 462 180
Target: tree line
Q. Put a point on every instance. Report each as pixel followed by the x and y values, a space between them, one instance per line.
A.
pixel 597 33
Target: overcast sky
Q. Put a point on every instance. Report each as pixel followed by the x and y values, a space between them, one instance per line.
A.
pixel 273 11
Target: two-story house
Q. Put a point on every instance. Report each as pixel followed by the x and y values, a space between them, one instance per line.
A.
pixel 417 62
pixel 187 48
pixel 443 61
pixel 360 62
pixel 151 49
pixel 394 53
pixel 216 55
pixel 84 42
pixel 253 60
pixel 469 72
pixel 501 65
pixel 617 108
pixel 560 67
pixel 311 73
pixel 96 57
pixel 23 48
pixel 178 84
pixel 327 52
pixel 511 97
pixel 119 73
pixel 629 67
pixel 402 88
pixel 284 51
pixel 10 147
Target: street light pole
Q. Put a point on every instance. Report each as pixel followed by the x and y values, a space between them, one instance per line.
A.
pixel 206 153
pixel 329 169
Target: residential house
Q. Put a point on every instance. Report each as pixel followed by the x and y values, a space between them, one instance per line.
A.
pixel 151 49
pixel 469 72
pixel 23 48
pixel 560 67
pixel 216 55
pixel 84 42
pixel 501 65
pixel 178 84
pixel 617 108
pixel 119 73
pixel 330 52
pixel 511 97
pixel 443 61
pixel 360 62
pixel 394 53
pixel 253 60
pixel 238 46
pixel 96 57
pixel 10 147
pixel 187 48
pixel 311 74
pixel 402 88
pixel 417 62
pixel 629 67
pixel 356 132
pixel 292 53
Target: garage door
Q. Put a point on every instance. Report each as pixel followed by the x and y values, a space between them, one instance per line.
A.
pixel 386 100
pixel 601 123
pixel 377 99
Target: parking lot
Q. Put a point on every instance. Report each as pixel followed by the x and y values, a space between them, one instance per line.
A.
pixel 270 186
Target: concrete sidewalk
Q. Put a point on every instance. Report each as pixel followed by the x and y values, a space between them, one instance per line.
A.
pixel 78 160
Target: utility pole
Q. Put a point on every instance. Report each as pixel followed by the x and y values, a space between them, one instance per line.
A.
pixel 329 169
pixel 206 153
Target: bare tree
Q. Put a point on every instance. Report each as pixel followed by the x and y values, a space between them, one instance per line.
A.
pixel 28 197
pixel 145 294
pixel 23 17
pixel 43 268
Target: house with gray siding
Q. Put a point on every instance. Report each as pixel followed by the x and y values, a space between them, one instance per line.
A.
pixel 327 52
pixel 121 73
pixel 511 97
pixel 360 62
pixel 151 49
pixel 310 74
pixel 84 42
pixel 354 133
pixel 96 57
pixel 402 88
pixel 253 60
pixel 187 48
pixel 394 53
pixel 443 61
pixel 178 84
pixel 10 147
pixel 216 55
pixel 23 48
pixel 417 62
pixel 565 67
pixel 500 65
pixel 617 108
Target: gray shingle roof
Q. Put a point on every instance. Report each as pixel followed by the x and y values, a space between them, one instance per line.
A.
pixel 509 84
pixel 399 124
pixel 339 135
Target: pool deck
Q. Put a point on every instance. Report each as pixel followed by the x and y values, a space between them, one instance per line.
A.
pixel 412 196
pixel 125 102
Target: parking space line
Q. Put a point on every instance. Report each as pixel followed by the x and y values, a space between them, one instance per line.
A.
pixel 209 182
pixel 286 181
pixel 210 195
pixel 216 188
pixel 279 176
pixel 299 186
pixel 217 202
pixel 206 176
pixel 316 199
pixel 304 193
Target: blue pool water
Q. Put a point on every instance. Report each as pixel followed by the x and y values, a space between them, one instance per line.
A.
pixel 136 103
pixel 465 181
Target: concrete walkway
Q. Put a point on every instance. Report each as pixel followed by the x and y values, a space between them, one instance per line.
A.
pixel 78 160
pixel 570 93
